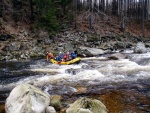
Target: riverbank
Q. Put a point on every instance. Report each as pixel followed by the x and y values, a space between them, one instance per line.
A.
pixel 24 44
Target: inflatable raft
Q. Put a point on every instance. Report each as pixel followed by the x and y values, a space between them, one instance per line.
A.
pixel 72 61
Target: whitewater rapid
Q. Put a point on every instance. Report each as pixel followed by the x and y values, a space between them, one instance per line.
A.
pixel 93 70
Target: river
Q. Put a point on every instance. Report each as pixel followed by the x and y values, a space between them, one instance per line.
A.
pixel 122 85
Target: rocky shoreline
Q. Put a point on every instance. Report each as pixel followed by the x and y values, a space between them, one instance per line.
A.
pixel 25 45
pixel 30 99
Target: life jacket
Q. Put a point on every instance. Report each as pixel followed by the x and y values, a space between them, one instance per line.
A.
pixel 65 58
pixel 57 58
pixel 60 55
pixel 50 55
pixel 67 55
pixel 73 55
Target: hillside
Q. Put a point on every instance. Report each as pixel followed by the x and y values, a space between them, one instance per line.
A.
pixel 100 26
pixel 25 15
pixel 104 25
pixel 27 37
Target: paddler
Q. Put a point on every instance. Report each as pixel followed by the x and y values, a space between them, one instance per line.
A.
pixel 49 55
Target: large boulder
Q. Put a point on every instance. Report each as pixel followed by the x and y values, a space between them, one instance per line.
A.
pixel 140 48
pixel 89 52
pixel 86 105
pixel 26 98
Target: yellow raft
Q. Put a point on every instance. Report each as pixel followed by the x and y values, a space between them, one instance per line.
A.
pixel 72 61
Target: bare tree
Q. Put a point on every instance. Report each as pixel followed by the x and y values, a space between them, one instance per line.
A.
pixel 123 15
pixel 114 7
pixel 31 9
pixel 143 18
pixel 75 12
pixel 1 7
pixel 90 16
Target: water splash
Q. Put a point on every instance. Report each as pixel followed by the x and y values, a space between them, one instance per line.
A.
pixel 93 70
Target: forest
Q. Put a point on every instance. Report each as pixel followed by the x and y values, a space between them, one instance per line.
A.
pixel 53 14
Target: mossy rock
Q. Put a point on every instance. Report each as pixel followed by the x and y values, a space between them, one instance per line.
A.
pixel 55 101
pixel 95 106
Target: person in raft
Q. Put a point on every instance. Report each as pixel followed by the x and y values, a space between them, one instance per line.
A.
pixel 73 55
pixel 57 58
pixel 49 55
pixel 64 58
pixel 67 56
pixel 60 55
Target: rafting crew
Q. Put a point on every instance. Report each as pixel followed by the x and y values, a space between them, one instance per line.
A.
pixel 60 57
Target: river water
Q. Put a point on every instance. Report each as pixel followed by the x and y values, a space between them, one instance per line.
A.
pixel 122 85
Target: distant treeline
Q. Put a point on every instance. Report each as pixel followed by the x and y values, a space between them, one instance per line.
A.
pixel 54 15
pixel 130 8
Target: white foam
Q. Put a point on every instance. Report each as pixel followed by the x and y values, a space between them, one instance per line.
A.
pixel 104 71
pixel 94 58
pixel 88 75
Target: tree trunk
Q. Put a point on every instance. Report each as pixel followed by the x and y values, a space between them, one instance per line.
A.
pixel 148 9
pixel 90 16
pixel 143 18
pixel 75 12
pixel 114 7
pixel 31 9
pixel 103 5
pixel 123 16
pixel 1 7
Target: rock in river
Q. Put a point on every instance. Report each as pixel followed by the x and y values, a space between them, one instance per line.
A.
pixel 26 98
pixel 87 105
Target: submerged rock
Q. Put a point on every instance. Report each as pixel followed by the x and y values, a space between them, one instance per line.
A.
pixel 26 98
pixel 72 71
pixel 86 105
pixel 117 56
